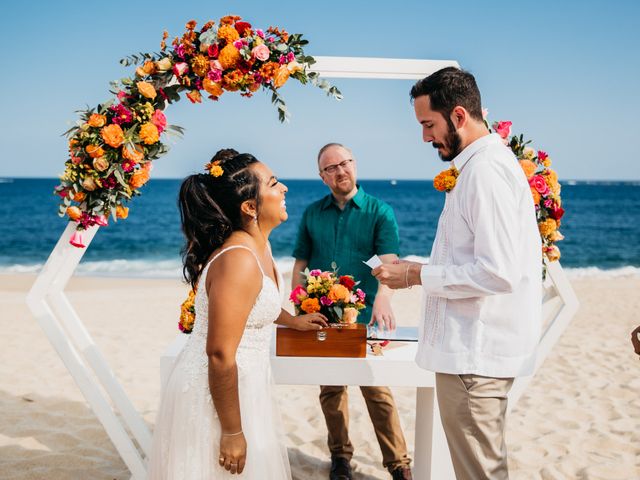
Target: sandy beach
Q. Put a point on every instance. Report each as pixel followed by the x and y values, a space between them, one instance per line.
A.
pixel 578 419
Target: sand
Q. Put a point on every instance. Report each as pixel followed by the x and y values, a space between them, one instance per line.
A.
pixel 579 418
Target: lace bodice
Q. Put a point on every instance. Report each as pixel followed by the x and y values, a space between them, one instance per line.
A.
pixel 253 349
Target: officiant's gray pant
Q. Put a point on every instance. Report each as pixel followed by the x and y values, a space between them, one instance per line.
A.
pixel 384 415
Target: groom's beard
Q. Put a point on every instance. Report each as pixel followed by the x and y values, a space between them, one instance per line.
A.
pixel 452 143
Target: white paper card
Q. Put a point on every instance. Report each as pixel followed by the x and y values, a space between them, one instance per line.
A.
pixel 373 262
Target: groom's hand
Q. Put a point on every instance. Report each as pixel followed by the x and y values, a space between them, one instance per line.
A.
pixel 398 275
pixel 382 314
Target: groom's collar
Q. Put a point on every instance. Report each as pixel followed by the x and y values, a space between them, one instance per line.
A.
pixel 474 147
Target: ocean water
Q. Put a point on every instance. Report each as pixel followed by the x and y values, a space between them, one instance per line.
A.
pixel 601 226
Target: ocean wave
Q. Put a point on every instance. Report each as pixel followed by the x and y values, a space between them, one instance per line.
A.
pixel 172 268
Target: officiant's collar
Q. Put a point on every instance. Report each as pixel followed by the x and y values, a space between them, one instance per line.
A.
pixel 474 147
pixel 358 199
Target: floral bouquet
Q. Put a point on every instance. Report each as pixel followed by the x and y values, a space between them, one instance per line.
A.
pixel 544 185
pixel 334 296
pixel 188 313
pixel 111 147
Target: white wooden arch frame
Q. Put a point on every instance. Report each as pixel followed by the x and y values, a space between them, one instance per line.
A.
pixel 91 372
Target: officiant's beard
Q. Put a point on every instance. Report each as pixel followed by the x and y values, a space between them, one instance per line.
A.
pixel 452 143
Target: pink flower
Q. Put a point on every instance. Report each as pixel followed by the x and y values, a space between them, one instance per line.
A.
pixel 238 44
pixel 76 240
pixel 212 51
pixel 101 220
pixel 122 95
pixel 360 294
pixel 282 60
pixel 261 52
pixel 315 273
pixel 180 51
pixel 260 33
pixel 542 156
pixel 180 69
pixel 121 114
pixel 159 120
pixel 326 301
pixel 354 298
pixel 214 75
pixel 290 57
pixel 298 294
pixel 537 182
pixel 128 165
pixel 548 202
pixel 503 129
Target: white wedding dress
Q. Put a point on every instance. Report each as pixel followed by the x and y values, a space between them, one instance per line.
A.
pixel 186 441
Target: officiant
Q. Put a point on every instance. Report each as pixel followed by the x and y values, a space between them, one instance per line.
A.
pixel 348 226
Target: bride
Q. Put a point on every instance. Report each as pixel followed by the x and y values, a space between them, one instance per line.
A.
pixel 217 416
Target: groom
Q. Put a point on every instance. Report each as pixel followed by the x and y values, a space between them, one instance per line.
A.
pixel 482 286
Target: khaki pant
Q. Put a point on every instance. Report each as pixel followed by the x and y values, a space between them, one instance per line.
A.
pixel 472 409
pixel 383 413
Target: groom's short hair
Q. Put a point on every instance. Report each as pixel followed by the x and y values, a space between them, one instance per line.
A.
pixel 448 88
pixel 331 145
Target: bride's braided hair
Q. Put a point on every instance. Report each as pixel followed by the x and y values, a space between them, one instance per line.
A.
pixel 210 208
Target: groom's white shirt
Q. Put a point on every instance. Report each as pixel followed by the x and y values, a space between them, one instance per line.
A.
pixel 482 288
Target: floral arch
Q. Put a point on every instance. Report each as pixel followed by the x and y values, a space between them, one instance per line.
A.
pixel 111 150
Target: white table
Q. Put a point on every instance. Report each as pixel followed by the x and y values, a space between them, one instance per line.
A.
pixel 396 368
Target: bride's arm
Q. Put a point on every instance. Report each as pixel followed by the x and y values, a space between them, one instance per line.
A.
pixel 310 321
pixel 233 283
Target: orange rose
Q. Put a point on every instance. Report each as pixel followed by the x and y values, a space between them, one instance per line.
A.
pixel 229 56
pixel 149 67
pixel 79 197
pixel 282 75
pixel 122 212
pixel 528 167
pixel 97 120
pixel 339 292
pixel 149 133
pixel 310 305
pixel 212 88
pixel 146 90
pixel 536 196
pixel 100 164
pixel 135 155
pixel 113 135
pixel 74 213
pixel 139 178
pixel 94 151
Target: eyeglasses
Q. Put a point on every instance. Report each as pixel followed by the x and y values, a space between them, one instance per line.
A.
pixel 331 169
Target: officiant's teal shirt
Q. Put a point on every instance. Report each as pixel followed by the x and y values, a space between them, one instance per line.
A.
pixel 365 227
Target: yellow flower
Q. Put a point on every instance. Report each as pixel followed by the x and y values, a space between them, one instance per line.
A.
pixel 200 65
pixel 146 90
pixel 228 34
pixel 229 56
pixel 310 305
pixel 547 227
pixel 149 133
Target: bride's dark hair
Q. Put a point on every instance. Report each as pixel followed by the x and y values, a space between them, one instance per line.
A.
pixel 210 208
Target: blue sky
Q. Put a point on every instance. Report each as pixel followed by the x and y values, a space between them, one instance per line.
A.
pixel 566 74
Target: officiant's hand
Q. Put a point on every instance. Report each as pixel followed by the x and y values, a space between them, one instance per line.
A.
pixel 310 321
pixel 382 314
pixel 233 452
pixel 398 275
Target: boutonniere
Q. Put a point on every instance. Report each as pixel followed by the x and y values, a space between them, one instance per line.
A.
pixel 446 179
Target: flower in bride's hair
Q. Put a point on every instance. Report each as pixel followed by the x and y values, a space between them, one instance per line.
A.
pixel 214 168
